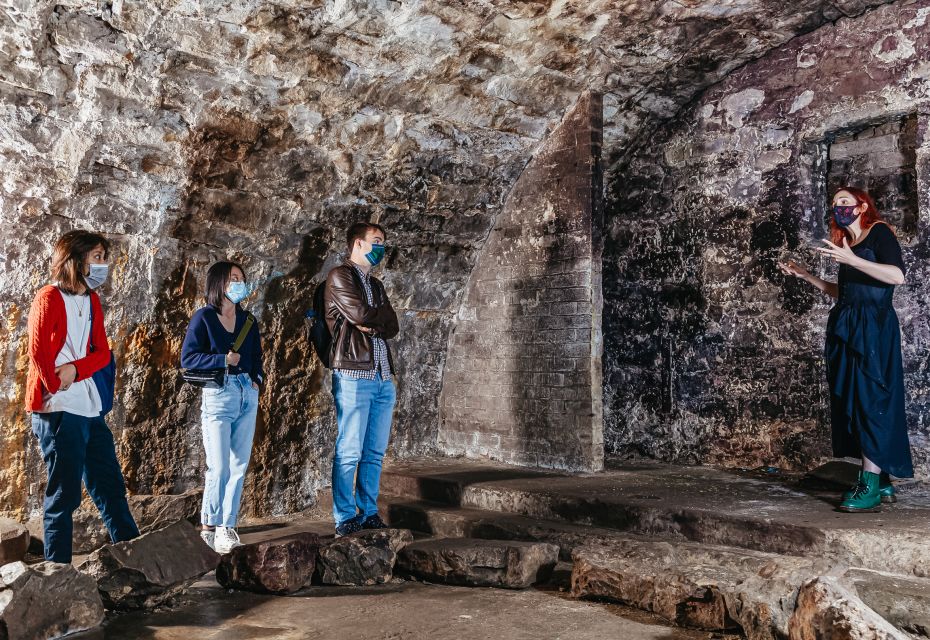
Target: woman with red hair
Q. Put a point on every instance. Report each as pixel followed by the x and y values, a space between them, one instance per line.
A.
pixel 863 349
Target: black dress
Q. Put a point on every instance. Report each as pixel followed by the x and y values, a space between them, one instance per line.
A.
pixel 864 365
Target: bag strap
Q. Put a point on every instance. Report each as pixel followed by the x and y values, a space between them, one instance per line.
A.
pixel 90 314
pixel 243 333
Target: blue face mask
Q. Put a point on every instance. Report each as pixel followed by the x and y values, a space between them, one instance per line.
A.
pixel 845 215
pixel 237 291
pixel 376 254
pixel 97 276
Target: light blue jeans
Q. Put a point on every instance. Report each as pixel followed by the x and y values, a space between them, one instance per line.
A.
pixel 364 409
pixel 228 424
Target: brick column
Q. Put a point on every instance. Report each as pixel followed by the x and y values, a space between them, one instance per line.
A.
pixel 522 381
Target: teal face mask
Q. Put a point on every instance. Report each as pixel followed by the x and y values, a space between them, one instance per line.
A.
pixel 376 254
pixel 237 291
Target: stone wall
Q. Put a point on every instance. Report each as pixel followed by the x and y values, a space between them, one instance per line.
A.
pixel 522 381
pixel 711 354
pixel 249 131
pixel 190 131
pixel 879 158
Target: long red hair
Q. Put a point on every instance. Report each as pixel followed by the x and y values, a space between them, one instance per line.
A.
pixel 869 217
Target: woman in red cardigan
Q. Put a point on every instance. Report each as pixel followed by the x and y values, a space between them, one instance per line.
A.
pixel 67 346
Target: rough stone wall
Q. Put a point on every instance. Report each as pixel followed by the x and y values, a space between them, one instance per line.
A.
pixel 881 160
pixel 711 354
pixel 193 130
pixel 522 381
pixel 190 133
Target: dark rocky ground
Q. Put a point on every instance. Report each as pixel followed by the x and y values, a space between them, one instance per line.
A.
pixel 408 610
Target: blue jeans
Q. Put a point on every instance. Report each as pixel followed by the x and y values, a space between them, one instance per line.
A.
pixel 364 409
pixel 75 447
pixel 227 419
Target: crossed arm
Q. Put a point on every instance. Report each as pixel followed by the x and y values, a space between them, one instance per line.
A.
pixel 352 304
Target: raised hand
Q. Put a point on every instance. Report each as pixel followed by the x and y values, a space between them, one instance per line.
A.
pixel 843 255
pixel 792 268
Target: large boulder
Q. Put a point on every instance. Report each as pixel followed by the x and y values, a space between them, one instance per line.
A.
pixel 150 513
pixel 46 600
pixel 362 558
pixel 479 563
pixel 14 541
pixel 148 570
pixel 280 565
pixel 826 610
pixel 696 585
pixel 902 600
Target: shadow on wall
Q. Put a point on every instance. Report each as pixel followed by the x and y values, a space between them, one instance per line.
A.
pixel 711 355
pixel 296 415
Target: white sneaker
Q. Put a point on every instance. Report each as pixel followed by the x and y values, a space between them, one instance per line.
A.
pixel 226 540
pixel 208 536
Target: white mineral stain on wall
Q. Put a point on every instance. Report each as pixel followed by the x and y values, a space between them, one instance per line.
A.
pixel 893 47
pixel 802 101
pixel 806 58
pixel 919 20
pixel 739 105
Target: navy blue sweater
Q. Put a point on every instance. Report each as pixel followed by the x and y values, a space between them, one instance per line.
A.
pixel 207 342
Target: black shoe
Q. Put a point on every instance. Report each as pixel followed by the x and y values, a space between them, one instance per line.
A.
pixel 352 525
pixel 374 522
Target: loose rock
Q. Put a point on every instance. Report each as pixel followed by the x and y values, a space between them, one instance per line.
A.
pixel 14 541
pixel 46 600
pixel 282 565
pixel 479 563
pixel 148 570
pixel 363 558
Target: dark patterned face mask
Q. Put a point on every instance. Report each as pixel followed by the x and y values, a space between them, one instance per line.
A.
pixel 845 215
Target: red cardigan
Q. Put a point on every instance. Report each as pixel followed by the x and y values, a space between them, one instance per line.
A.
pixel 48 329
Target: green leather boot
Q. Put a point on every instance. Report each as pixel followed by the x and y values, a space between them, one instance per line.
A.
pixel 865 496
pixel 885 488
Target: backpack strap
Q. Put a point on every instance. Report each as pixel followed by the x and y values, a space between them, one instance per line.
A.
pixel 243 333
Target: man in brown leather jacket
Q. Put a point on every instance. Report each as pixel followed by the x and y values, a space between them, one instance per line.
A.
pixel 361 321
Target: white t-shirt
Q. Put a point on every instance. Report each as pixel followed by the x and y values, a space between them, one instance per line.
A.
pixel 81 398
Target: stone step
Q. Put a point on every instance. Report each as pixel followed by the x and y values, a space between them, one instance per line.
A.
pixel 441 521
pixel 714 587
pixel 699 504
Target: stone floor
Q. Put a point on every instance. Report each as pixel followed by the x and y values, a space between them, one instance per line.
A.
pixel 773 512
pixel 407 611
pixel 760 511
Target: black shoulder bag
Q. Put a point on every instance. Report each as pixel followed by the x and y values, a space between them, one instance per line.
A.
pixel 216 378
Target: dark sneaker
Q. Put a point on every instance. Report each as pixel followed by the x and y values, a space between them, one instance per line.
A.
pixel 353 525
pixel 374 522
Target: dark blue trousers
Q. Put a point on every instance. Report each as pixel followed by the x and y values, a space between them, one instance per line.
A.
pixel 76 447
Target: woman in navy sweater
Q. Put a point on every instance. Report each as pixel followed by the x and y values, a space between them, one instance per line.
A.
pixel 227 414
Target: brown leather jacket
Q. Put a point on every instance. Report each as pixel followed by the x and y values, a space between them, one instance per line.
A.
pixel 347 309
